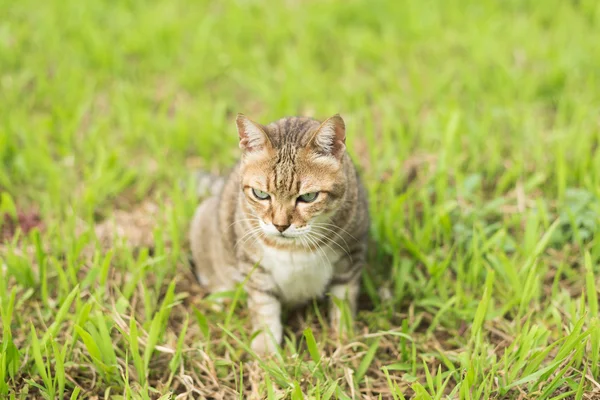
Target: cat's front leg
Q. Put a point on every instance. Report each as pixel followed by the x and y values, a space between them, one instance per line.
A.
pixel 265 311
pixel 345 288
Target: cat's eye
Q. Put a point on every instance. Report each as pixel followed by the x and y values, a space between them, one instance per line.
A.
pixel 308 197
pixel 260 194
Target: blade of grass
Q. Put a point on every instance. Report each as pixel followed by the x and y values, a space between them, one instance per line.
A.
pixel 365 363
pixel 60 316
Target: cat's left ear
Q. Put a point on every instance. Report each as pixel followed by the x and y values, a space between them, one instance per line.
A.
pixel 330 138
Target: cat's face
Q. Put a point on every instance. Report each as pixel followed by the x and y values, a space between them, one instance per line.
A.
pixel 292 175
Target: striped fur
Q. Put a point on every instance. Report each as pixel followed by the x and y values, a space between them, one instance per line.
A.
pixel 322 249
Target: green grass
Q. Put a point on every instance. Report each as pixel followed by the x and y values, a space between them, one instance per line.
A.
pixel 475 125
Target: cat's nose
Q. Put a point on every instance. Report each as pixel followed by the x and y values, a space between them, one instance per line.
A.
pixel 281 228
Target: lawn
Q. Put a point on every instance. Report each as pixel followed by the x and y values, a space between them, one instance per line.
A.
pixel 475 126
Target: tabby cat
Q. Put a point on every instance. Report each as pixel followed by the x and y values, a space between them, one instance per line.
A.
pixel 292 217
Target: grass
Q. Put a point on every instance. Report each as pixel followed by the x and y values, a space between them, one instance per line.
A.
pixel 476 128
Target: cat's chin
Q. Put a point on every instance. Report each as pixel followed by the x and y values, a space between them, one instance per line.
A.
pixel 285 238
pixel 284 241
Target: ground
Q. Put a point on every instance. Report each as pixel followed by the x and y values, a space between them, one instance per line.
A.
pixel 475 126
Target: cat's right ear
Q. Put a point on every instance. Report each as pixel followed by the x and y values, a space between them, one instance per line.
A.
pixel 252 135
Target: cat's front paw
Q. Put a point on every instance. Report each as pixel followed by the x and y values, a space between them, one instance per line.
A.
pixel 335 318
pixel 264 344
pixel 341 320
pixel 342 308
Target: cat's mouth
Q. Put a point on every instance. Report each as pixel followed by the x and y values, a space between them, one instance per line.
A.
pixel 287 237
pixel 289 234
pixel 286 240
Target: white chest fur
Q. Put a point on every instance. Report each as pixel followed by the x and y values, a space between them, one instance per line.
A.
pixel 299 275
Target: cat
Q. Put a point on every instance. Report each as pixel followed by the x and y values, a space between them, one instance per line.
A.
pixel 292 218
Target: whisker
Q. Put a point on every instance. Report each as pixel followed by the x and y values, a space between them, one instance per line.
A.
pixel 323 224
pixel 322 237
pixel 255 235
pixel 306 244
pixel 313 241
pixel 335 233
pixel 249 233
pixel 242 220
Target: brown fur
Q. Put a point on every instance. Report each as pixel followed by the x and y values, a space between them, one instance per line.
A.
pixel 285 159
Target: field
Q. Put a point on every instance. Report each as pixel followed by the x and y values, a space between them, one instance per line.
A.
pixel 476 127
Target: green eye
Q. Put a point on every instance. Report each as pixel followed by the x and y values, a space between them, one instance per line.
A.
pixel 308 197
pixel 260 194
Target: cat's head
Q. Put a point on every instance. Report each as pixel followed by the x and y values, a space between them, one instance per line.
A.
pixel 292 174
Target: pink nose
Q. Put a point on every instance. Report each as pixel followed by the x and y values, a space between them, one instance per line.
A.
pixel 281 228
